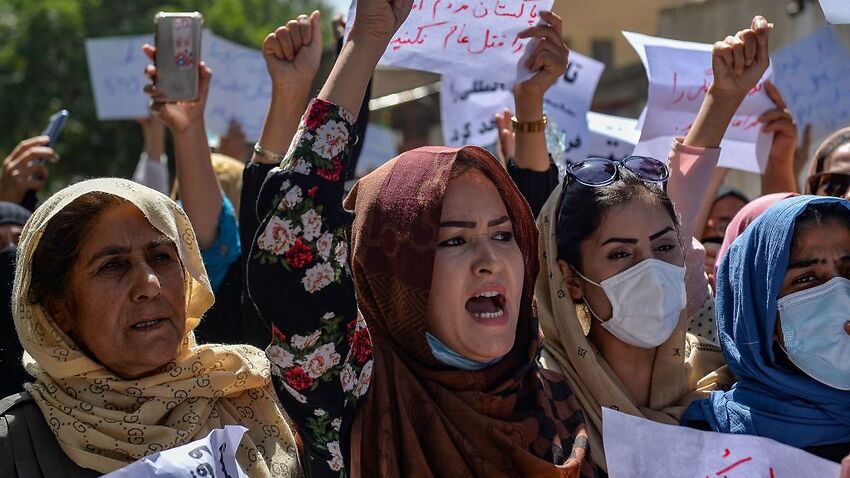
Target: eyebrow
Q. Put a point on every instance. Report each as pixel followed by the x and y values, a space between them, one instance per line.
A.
pixel 661 233
pixel 802 264
pixel 472 224
pixel 119 250
pixel 631 240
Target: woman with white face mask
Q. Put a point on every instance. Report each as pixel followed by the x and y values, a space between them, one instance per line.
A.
pixel 783 314
pixel 614 302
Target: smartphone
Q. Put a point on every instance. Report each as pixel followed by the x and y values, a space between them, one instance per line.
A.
pixel 54 126
pixel 178 53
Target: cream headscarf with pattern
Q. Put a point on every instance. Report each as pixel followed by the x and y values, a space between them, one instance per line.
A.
pixel 682 370
pixel 104 422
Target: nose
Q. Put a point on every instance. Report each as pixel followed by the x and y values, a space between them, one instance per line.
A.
pixel 487 259
pixel 146 284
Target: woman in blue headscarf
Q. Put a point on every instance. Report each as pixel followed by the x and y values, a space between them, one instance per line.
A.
pixel 783 316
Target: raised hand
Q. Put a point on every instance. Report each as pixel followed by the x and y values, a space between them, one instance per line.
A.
pixel 780 122
pixel 378 20
pixel 180 116
pixel 549 58
pixel 293 53
pixel 23 169
pixel 739 61
pixel 507 137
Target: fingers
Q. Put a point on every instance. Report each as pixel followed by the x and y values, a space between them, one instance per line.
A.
pixel 284 38
pixel 204 79
pixel 737 46
pixel 774 95
pixel 272 46
pixel 27 144
pixel 552 19
pixel 549 61
pixel 542 31
pixel 750 45
pixel 762 29
pixel 150 51
pixel 316 28
pixel 723 51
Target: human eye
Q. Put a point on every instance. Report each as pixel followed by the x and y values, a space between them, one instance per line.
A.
pixel 804 279
pixel 453 242
pixel 618 255
pixel 505 236
pixel 666 248
pixel 113 266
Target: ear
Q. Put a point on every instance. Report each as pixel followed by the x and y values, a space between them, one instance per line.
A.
pixel 59 314
pixel 571 281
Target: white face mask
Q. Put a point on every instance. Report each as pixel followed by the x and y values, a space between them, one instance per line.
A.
pixel 813 328
pixel 647 300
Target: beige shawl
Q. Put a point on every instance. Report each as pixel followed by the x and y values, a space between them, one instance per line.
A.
pixel 682 364
pixel 103 422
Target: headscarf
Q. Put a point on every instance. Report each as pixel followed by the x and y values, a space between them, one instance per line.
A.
pixel 744 218
pixel 768 400
pixel 421 418
pixel 823 153
pixel 104 422
pixel 683 365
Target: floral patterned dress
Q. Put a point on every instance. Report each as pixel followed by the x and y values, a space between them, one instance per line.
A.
pixel 299 281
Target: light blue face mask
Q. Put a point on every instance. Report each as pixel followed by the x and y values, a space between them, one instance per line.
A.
pixel 449 357
pixel 813 328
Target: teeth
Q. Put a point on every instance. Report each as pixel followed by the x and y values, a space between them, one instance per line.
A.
pixel 488 294
pixel 491 315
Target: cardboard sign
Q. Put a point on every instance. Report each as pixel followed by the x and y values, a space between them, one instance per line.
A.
pixel 611 137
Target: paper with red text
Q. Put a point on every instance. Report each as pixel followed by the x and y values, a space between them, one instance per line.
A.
pixel 640 447
pixel 679 78
pixel 477 38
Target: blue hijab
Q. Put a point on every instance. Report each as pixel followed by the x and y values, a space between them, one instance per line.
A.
pixel 769 400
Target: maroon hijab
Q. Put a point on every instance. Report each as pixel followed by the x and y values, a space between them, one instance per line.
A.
pixel 421 418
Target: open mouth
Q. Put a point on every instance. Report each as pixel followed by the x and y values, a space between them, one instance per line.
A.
pixel 149 325
pixel 487 305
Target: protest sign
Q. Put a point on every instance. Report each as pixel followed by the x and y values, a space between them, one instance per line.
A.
pixel 468 107
pixel 813 76
pixel 240 87
pixel 379 146
pixel 836 11
pixel 679 77
pixel 639 447
pixel 214 455
pixel 476 37
pixel 611 137
pixel 116 68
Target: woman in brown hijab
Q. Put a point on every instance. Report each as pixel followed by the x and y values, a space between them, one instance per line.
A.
pixel 441 273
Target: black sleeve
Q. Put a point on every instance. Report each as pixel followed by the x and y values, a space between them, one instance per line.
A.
pixel 536 186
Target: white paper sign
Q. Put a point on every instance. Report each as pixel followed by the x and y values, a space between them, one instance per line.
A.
pixel 813 76
pixel 611 137
pixel 212 456
pixel 379 146
pixel 116 68
pixel 836 11
pixel 679 77
pixel 468 107
pixel 241 88
pixel 476 37
pixel 640 447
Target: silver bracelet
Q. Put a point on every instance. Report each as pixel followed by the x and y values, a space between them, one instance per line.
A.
pixel 266 154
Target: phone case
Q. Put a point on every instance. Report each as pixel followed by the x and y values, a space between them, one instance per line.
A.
pixel 54 126
pixel 178 53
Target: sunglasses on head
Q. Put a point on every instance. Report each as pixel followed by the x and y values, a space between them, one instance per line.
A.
pixel 598 172
pixel 830 184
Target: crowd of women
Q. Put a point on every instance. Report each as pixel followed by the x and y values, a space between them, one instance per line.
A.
pixel 426 323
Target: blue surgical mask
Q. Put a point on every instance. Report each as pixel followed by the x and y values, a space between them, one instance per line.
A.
pixel 813 328
pixel 449 357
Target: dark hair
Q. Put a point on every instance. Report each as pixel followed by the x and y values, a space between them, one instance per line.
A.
pixel 60 245
pixel 822 213
pixel 583 208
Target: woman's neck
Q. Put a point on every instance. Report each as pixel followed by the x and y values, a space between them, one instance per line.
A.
pixel 632 365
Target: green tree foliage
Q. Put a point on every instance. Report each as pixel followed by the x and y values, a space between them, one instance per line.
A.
pixel 43 69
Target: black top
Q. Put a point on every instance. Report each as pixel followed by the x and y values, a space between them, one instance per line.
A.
pixel 536 186
pixel 11 350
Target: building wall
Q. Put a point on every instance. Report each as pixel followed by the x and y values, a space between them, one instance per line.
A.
pixel 588 20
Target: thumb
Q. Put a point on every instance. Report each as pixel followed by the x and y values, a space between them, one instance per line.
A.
pixel 316 27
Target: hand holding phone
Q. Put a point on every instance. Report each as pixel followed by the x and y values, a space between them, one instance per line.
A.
pixel 178 54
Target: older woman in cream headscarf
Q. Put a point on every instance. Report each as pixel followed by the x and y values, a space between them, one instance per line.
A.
pixel 109 341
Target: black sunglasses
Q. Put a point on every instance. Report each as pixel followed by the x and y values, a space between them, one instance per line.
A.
pixel 598 172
